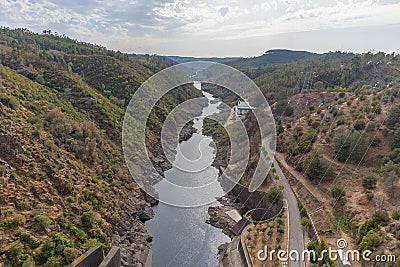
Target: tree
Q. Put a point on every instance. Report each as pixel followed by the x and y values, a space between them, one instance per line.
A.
pixel 369 182
pixel 274 195
pixel 350 146
pixel 390 182
pixel 359 124
pixel 396 139
pixel 305 222
pixel 393 117
pixel 338 192
pixel 305 146
pixel 341 146
pixel 318 168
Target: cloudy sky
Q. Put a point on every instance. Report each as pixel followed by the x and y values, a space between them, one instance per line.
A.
pixel 215 27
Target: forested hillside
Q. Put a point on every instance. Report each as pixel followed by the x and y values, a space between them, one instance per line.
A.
pixel 337 120
pixel 64 185
pixel 271 57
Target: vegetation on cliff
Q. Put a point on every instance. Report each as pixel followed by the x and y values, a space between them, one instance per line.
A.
pixel 64 184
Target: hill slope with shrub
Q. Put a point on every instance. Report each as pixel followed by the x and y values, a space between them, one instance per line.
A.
pixel 64 184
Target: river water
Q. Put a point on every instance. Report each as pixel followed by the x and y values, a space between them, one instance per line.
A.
pixel 181 236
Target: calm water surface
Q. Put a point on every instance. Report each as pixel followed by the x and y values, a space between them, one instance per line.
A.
pixel 181 236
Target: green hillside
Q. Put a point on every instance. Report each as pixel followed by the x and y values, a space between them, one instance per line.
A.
pixel 338 138
pixel 64 184
pixel 275 56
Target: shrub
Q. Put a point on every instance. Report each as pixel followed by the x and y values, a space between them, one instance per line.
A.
pixel 315 124
pixel 274 195
pixel 370 241
pixel 398 235
pixel 29 262
pixel 35 212
pixel 30 239
pixel 3 170
pixel 396 139
pixel 70 254
pixel 19 219
pixel 376 108
pixel 15 250
pixel 340 121
pixel 305 146
pixel 369 194
pixel 115 217
pixel 380 218
pixel 297 133
pixel 375 141
pixel 371 127
pixel 369 182
pixel 25 205
pixel 97 232
pixel 9 101
pixel 87 220
pixel 305 222
pixel 80 235
pixel 302 209
pixel 69 188
pixel 44 221
pixel 55 261
pixel 54 248
pixel 338 192
pixel 63 221
pixel 396 215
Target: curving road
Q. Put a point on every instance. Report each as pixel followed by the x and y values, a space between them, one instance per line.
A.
pixel 296 234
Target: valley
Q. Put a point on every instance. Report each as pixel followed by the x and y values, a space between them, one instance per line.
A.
pixel 65 186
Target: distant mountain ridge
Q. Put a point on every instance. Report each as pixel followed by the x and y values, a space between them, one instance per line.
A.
pixel 179 59
pixel 274 56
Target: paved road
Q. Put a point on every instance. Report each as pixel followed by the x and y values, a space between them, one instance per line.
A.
pixel 296 234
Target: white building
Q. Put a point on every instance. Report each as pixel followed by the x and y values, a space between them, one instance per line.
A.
pixel 243 107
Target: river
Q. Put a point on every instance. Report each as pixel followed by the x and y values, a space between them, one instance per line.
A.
pixel 181 236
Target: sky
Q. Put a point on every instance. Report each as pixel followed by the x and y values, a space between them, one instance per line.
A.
pixel 215 28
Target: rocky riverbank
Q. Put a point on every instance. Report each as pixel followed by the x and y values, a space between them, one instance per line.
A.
pixel 219 217
pixel 130 234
